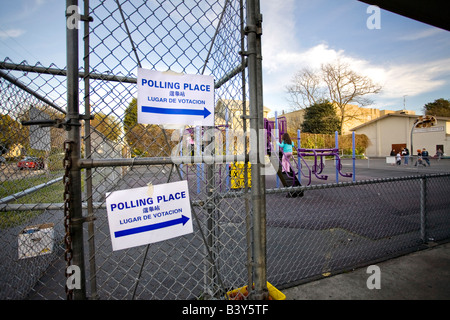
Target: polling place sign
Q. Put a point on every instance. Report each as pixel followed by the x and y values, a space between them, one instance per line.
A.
pixel 170 98
pixel 148 214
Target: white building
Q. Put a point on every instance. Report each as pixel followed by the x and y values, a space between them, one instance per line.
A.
pixel 393 132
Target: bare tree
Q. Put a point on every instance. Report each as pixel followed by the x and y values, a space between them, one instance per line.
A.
pixel 346 86
pixel 306 89
pixel 335 82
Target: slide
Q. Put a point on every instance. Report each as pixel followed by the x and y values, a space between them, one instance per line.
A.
pixel 288 179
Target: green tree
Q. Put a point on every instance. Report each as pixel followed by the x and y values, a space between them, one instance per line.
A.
pixel 145 140
pixel 130 119
pixel 11 133
pixel 108 125
pixel 321 118
pixel 440 107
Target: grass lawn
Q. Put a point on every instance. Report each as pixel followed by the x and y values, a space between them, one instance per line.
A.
pixel 50 194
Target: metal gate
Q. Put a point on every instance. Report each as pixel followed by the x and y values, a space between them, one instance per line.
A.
pixel 113 152
pixel 80 124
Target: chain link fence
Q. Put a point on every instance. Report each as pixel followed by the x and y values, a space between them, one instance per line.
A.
pixel 31 219
pixel 330 228
pixel 193 37
pixel 340 226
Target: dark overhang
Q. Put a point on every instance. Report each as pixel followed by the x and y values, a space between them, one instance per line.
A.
pixel 432 12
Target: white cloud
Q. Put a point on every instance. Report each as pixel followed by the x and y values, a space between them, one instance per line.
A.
pixel 281 66
pixel 397 80
pixel 277 20
pixel 11 33
pixel 429 32
pixel 415 79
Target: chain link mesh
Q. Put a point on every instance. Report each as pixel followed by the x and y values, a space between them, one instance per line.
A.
pixel 201 37
pixel 333 227
pixel 340 227
pixel 32 193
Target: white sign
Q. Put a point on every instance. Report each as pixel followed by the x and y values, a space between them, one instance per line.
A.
pixel 168 98
pixel 148 214
pixel 36 240
pixel 429 129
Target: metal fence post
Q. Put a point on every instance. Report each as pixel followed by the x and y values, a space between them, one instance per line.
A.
pixel 72 118
pixel 211 215
pixel 88 152
pixel 254 31
pixel 423 209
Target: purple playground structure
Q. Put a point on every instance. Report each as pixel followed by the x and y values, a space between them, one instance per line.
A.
pixel 291 177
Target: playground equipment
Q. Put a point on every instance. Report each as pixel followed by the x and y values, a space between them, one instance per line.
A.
pixel 317 167
pixel 287 177
pixel 292 176
pixel 279 124
pixel 194 143
pixel 319 154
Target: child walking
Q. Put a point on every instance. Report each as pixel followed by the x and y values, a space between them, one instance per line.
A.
pixel 399 158
pixel 287 145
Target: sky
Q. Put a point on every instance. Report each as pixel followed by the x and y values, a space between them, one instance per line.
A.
pixel 33 30
pixel 409 59
pixel 406 57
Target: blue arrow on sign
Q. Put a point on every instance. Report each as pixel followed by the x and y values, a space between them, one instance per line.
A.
pixel 190 112
pixel 151 227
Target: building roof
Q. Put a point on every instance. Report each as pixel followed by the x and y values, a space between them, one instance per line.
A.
pixel 398 115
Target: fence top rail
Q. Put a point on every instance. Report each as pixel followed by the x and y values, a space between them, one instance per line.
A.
pixel 22 86
pixel 218 159
pixel 356 183
pixel 63 72
pixel 103 76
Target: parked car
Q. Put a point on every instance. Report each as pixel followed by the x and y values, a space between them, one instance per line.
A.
pixel 31 162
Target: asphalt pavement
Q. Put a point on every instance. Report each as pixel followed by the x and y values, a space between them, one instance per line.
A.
pixel 421 275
